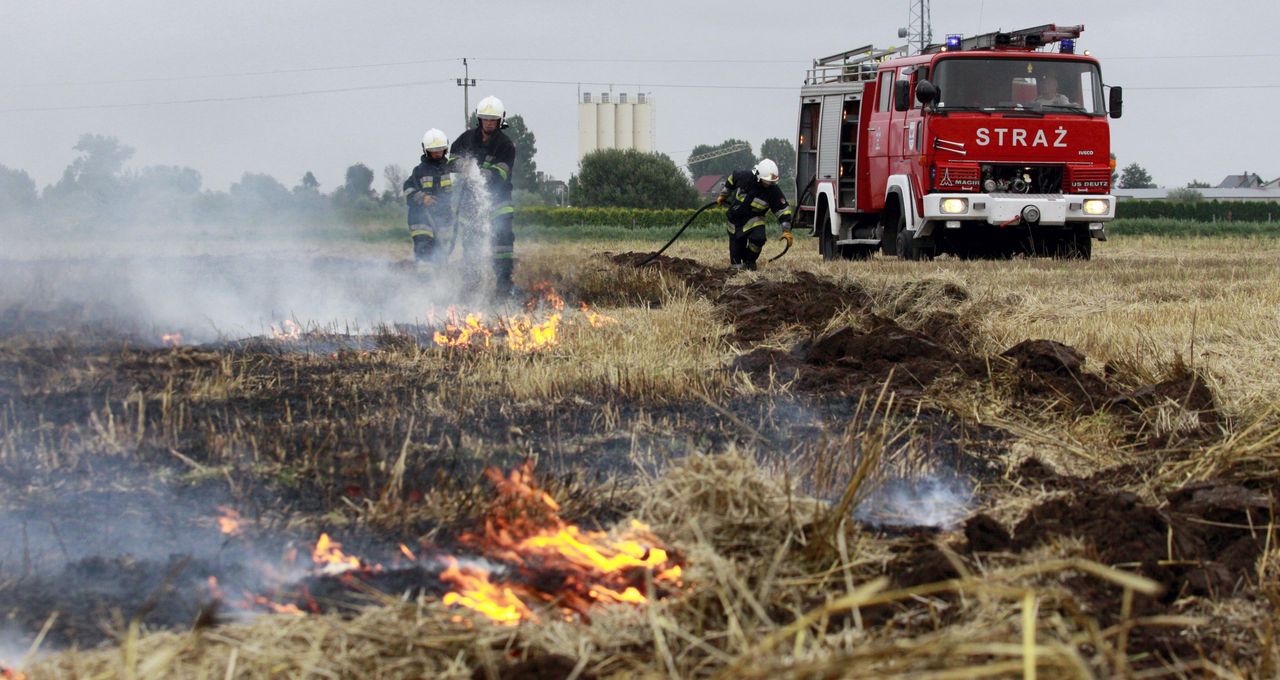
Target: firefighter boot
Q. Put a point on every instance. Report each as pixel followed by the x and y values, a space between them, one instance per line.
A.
pixel 424 246
pixel 503 288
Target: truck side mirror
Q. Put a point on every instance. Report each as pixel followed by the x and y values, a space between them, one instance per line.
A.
pixel 926 92
pixel 1115 103
pixel 901 95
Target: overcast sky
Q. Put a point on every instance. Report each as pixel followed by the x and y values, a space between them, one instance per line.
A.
pixel 89 58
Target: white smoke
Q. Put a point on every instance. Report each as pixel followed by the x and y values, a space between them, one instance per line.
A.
pixel 935 501
pixel 13 648
pixel 215 284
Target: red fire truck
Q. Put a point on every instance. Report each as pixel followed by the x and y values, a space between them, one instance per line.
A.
pixel 986 146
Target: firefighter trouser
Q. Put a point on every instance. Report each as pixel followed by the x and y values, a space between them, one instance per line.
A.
pixel 746 242
pixel 504 248
pixel 502 239
pixel 424 242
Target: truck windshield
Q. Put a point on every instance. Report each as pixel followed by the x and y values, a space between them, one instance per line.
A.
pixel 1049 85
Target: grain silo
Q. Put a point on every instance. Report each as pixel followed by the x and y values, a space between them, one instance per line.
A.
pixel 608 121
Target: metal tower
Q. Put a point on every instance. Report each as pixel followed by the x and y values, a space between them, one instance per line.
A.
pixel 919 26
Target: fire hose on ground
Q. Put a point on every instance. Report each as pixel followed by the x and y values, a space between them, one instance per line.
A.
pixel 686 224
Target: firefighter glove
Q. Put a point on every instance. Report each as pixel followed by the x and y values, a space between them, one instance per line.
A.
pixel 786 235
pixel 720 199
pixel 427 200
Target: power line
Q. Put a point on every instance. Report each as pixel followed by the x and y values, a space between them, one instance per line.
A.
pixel 706 86
pixel 206 100
pixel 241 74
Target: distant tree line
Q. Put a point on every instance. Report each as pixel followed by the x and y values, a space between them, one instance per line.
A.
pixel 97 187
pixel 631 179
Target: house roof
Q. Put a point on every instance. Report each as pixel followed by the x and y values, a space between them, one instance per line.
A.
pixel 1246 181
pixel 706 183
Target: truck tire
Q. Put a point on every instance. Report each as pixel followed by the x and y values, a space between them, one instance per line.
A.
pixel 908 248
pixel 1076 245
pixel 826 240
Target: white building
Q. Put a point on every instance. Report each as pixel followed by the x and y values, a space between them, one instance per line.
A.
pixel 606 122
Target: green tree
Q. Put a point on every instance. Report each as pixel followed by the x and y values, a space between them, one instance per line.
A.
pixel 257 195
pixel 17 191
pixel 307 183
pixel 394 176
pixel 1186 195
pixel 1197 184
pixel 96 171
pixel 358 184
pixel 721 165
pixel 525 175
pixel 1134 176
pixel 630 179
pixel 782 152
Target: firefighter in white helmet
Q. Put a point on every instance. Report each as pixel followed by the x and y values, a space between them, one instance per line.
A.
pixel 495 156
pixel 429 193
pixel 749 195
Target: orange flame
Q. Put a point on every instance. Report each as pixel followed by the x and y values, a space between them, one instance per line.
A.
pixel 523 335
pixel 329 557
pixel 11 673
pixel 596 319
pixel 289 330
pixel 404 550
pixel 229 523
pixel 275 607
pixel 475 591
pixel 523 528
pixel 171 339
pixel 545 296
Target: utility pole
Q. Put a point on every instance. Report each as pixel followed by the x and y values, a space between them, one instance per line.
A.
pixel 466 82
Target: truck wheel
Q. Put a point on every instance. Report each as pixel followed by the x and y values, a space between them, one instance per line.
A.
pixel 908 248
pixel 826 240
pixel 1079 244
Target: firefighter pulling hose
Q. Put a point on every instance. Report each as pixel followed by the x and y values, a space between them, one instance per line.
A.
pixel 749 194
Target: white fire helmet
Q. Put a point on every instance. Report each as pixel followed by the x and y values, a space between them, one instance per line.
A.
pixel 490 108
pixel 434 140
pixel 766 170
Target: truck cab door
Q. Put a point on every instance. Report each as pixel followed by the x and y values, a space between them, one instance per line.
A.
pixel 879 134
pixel 907 133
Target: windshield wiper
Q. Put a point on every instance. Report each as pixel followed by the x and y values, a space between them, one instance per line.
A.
pixel 949 109
pixel 1069 108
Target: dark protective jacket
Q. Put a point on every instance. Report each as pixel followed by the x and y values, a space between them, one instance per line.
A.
pixel 430 178
pixel 496 158
pixel 748 200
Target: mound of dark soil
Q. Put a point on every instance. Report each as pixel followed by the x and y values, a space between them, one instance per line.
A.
pixel 1198 544
pixel 1052 371
pixel 1185 388
pixel 853 359
pixel 698 276
pixel 809 301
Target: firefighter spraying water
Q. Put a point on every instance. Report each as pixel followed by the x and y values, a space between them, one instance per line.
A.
pixel 485 156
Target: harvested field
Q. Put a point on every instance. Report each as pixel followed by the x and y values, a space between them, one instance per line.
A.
pixel 884 468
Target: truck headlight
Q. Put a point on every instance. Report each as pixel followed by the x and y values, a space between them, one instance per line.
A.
pixel 1096 206
pixel 954 206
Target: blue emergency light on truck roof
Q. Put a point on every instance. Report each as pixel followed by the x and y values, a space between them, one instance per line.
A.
pixel 953 41
pixel 1067 46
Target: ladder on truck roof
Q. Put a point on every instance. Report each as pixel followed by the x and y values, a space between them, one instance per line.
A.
pixel 1023 39
pixel 854 65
